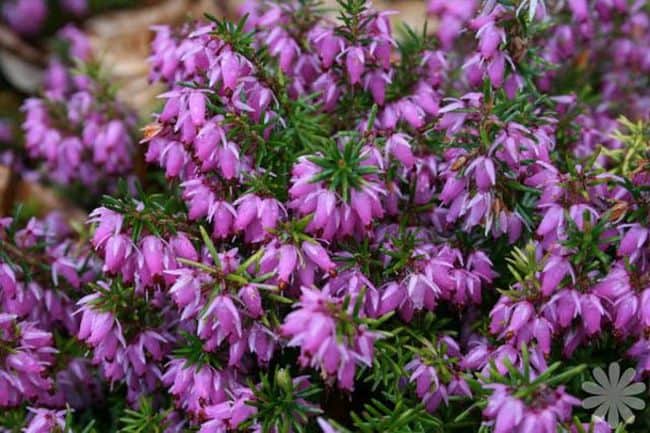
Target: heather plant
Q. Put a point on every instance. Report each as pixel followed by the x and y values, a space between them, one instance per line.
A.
pixel 78 130
pixel 359 229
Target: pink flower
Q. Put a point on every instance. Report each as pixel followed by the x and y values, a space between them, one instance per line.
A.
pixel 554 271
pixel 398 145
pixel 7 281
pixel 153 254
pixel 328 46
pixel 490 37
pixel 117 250
pixel 288 259
pixel 552 222
pixel 221 320
pixel 579 9
pixel 317 254
pixel 592 313
pixel 25 16
pixel 632 241
pixel 355 64
pixel 252 300
pixel 484 173
pixel 313 327
pixel 46 421
pixel 197 107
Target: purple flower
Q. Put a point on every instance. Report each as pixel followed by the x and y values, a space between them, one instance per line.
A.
pixel 398 145
pixel 221 320
pixel 7 281
pixel 30 353
pixel 579 9
pixel 25 16
pixel 508 413
pixel 361 220
pixel 117 250
pixel 229 414
pixel 153 254
pixel 429 387
pixel 78 132
pixel 319 256
pixel 46 421
pixel 195 387
pixel 287 261
pixel 632 241
pixel 484 173
pixel 313 328
pixel 354 62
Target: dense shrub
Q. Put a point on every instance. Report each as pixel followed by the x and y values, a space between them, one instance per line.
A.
pixel 341 228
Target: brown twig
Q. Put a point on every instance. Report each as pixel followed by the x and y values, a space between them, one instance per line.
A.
pixel 10 41
pixel 8 181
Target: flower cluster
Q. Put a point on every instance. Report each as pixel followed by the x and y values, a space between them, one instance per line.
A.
pixel 508 413
pixel 326 339
pixel 434 229
pixel 437 375
pixel 43 267
pixel 78 129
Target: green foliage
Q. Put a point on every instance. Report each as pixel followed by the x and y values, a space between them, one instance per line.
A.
pixel 524 267
pixel 132 310
pixel 402 345
pixel 635 150
pixel 157 213
pixel 192 351
pixel 411 47
pixel 527 385
pixel 305 129
pixel 399 249
pixel 276 145
pixel 393 413
pixel 342 167
pixel 145 419
pixel 589 245
pixel 352 13
pixel 235 35
pixel 283 406
pixel 388 366
pixel 12 420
